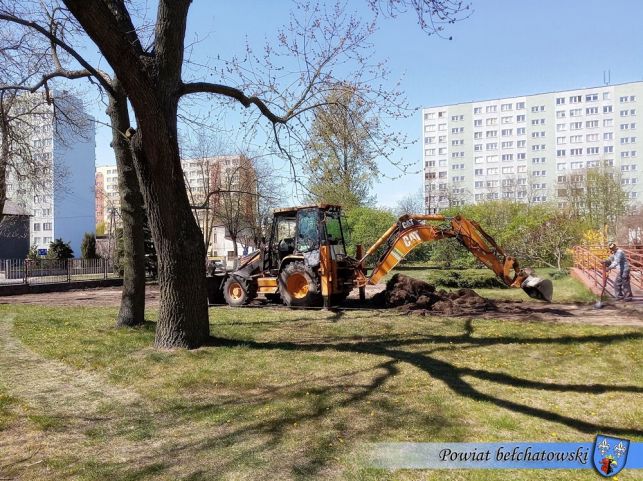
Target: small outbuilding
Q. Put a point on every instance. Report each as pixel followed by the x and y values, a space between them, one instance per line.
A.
pixel 14 231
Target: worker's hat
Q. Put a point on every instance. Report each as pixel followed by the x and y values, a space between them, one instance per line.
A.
pixel 611 246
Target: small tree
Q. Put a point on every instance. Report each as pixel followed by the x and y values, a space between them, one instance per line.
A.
pixel 151 261
pixel 365 225
pixel 32 255
pixel 59 250
pixel 88 246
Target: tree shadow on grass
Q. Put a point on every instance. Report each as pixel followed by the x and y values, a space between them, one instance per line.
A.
pixel 320 403
pixel 453 376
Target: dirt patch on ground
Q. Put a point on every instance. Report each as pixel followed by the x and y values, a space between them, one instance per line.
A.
pixel 98 297
pixel 414 296
pixel 411 296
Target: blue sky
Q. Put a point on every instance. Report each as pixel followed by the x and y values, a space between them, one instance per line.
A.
pixel 505 48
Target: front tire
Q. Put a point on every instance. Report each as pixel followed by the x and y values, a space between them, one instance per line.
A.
pixel 238 291
pixel 299 286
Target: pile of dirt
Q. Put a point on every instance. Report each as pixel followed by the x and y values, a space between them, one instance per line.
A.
pixel 409 294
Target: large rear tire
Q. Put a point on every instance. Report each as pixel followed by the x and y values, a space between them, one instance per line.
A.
pixel 238 291
pixel 299 286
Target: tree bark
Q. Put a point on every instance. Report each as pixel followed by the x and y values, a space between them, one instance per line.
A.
pixel 153 85
pixel 132 310
pixel 4 155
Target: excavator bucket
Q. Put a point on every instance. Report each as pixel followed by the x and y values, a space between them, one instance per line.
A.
pixel 538 288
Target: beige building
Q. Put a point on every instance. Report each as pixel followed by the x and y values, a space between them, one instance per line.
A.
pixel 108 201
pixel 209 181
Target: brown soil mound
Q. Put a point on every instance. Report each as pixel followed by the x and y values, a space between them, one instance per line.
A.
pixel 409 294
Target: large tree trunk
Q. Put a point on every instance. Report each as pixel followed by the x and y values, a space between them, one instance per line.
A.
pixel 152 81
pixel 183 312
pixel 132 310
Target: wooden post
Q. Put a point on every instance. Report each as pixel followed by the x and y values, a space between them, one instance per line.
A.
pixel 359 253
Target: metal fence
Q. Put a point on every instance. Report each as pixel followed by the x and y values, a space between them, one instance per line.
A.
pixel 50 271
pixel 590 260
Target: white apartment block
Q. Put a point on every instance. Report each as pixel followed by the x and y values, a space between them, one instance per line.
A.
pixel 61 202
pixel 525 148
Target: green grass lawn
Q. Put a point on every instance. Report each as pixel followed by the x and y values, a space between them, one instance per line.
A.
pixel 286 394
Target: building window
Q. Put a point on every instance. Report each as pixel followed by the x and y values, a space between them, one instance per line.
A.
pixel 46 226
pixel 36 227
pixel 575 99
pixel 607 109
pixel 591 98
pixel 560 100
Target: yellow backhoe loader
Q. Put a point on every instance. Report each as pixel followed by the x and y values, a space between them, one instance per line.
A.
pixel 304 262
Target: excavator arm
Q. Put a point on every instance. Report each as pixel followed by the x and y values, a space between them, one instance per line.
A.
pixel 413 230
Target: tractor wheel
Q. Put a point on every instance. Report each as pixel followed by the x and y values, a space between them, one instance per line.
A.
pixel 299 286
pixel 239 291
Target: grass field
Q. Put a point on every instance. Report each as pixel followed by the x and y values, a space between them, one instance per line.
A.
pixel 286 394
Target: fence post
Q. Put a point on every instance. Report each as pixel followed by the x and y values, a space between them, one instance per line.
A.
pixel 67 262
pixel 25 266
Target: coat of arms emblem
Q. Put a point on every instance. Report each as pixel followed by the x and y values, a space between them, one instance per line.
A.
pixel 610 455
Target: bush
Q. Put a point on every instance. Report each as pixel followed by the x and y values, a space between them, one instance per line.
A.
pixel 471 279
pixel 88 246
pixel 60 250
pixel 556 275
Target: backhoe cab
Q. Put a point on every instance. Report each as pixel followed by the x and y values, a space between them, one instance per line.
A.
pixel 305 262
